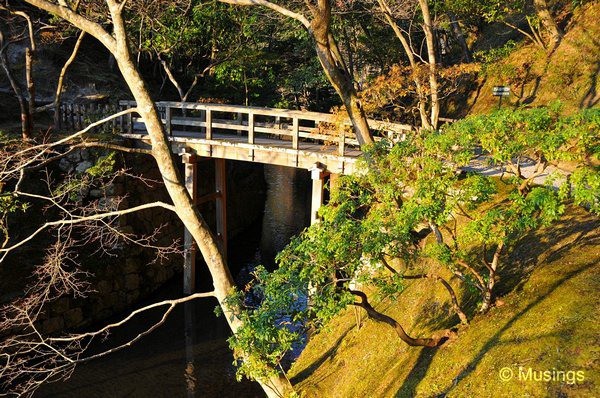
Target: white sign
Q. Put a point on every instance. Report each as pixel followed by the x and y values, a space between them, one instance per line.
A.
pixel 501 91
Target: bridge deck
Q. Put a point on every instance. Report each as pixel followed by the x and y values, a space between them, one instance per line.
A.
pixel 264 150
pixel 265 135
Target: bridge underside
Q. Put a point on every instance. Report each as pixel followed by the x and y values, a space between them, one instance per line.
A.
pixel 194 152
pixel 264 150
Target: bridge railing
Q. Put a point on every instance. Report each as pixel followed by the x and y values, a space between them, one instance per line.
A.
pixel 76 116
pixel 251 124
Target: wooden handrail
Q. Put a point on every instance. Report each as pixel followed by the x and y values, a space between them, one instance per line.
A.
pixel 275 112
pixel 207 122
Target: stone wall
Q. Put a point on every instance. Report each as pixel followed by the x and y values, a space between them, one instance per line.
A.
pixel 118 282
pixel 132 273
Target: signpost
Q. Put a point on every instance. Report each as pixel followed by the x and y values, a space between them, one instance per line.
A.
pixel 501 91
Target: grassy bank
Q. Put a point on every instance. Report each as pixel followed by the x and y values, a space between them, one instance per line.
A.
pixel 536 77
pixel 546 319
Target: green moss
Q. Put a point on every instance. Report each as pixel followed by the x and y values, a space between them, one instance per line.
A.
pixel 548 320
pixel 536 78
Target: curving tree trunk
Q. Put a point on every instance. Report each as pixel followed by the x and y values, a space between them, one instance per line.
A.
pixel 117 44
pixel 336 70
pixel 379 317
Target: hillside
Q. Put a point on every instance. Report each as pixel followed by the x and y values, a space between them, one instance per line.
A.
pixel 547 314
pixel 547 319
pixel 569 73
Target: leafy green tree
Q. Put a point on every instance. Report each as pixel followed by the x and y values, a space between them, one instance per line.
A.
pixel 373 233
pixel 190 39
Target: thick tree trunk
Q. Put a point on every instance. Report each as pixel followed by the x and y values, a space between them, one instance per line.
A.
pixel 185 208
pixel 336 71
pixel 433 83
pixel 543 12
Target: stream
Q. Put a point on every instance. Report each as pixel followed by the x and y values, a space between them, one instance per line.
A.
pixel 189 355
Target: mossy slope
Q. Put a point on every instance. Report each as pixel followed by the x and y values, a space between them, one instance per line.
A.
pixel 548 320
pixel 536 78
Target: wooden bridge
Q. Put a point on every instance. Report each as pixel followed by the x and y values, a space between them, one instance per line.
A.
pixel 265 135
pixel 307 140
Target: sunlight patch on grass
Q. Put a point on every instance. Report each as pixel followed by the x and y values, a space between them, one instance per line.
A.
pixel 549 321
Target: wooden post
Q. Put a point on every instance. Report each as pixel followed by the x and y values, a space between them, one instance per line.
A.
pixel 203 119
pixel 240 121
pixel 130 123
pixel 251 128
pixel 121 119
pixel 295 132
pixel 341 149
pixel 189 247
pixel 61 115
pixel 80 115
pixel 209 124
pixel 221 203
pixel 75 116
pixel 113 122
pixel 71 117
pixel 317 174
pixel 168 126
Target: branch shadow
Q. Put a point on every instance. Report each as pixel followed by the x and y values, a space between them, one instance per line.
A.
pixel 304 374
pixel 531 250
pixel 495 339
pixel 417 373
pixel 592 96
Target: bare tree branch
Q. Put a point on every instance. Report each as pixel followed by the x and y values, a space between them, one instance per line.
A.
pixel 275 7
pixel 77 220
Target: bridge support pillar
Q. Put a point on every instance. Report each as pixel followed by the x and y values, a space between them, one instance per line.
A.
pixel 317 174
pixel 221 203
pixel 190 162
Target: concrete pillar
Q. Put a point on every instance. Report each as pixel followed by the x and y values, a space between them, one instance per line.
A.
pixel 189 247
pixel 317 174
pixel 221 203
